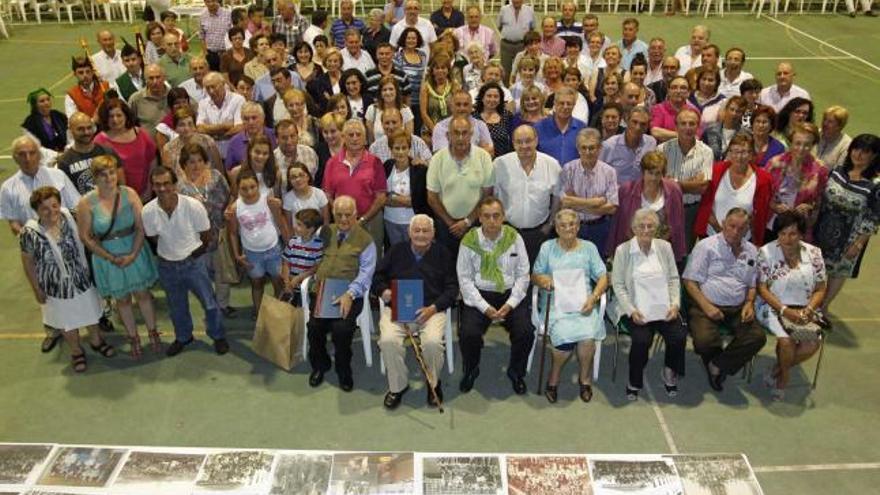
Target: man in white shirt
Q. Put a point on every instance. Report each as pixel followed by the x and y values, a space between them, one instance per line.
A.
pixel 690 56
pixel 733 75
pixel 526 182
pixel 689 162
pixel 411 19
pixel 494 293
pixel 108 60
pixel 179 227
pixel 289 151
pixel 353 56
pixel 220 114
pixel 656 54
pixel 316 28
pixel 784 90
pixel 195 85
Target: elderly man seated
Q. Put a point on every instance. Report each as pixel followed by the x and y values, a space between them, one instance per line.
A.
pixel 493 272
pixel 349 254
pixel 720 278
pixel 419 259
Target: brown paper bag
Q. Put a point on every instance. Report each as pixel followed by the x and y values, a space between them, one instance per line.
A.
pixel 227 266
pixel 278 336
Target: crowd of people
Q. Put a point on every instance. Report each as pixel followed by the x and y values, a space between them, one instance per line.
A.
pixel 481 162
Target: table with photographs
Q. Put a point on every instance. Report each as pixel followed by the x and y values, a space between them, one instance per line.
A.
pixel 53 469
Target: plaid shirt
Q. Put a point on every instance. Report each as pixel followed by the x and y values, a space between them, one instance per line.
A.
pixel 213 29
pixel 292 31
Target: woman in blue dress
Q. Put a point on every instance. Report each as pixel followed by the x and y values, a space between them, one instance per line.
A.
pixel 109 220
pixel 578 330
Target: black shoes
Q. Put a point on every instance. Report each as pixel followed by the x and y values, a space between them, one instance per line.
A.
pixel 438 390
pixel 106 325
pixel 346 383
pixel 228 311
pixel 715 381
pixel 519 385
pixel 177 346
pixel 316 378
pixel 393 399
pixel 221 346
pixel 467 381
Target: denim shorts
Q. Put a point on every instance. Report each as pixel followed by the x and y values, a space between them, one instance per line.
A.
pixel 264 262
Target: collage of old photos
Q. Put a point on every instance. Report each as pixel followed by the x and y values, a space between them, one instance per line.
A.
pixel 51 469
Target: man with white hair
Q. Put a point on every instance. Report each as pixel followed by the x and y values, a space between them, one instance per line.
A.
pixel 108 60
pixel 150 104
pixel 349 254
pixel 411 19
pixel 690 56
pixel 174 61
pixel 354 56
pixel 220 113
pixel 253 122
pixel 431 263
pixel 195 85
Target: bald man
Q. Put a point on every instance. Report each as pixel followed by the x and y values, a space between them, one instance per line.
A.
pixel 76 161
pixel 784 90
pixel 108 60
pixel 150 105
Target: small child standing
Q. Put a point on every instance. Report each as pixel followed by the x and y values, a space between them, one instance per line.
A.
pixel 303 252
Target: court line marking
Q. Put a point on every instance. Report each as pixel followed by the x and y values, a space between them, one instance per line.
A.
pixel 800 468
pixel 842 57
pixel 664 426
pixel 788 26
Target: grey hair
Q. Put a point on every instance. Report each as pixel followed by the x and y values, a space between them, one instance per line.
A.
pixel 421 217
pixel 354 123
pixel 22 140
pixel 252 106
pixel 566 91
pixel 588 133
pixel 641 214
pixel 566 212
pixel 343 200
pixel 212 77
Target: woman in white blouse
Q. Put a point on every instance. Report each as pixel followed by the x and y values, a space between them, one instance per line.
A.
pixel 647 289
pixel 791 285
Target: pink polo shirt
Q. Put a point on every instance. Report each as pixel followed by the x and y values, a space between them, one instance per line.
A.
pixel 663 116
pixel 363 181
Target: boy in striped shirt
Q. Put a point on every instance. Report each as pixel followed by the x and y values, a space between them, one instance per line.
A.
pixel 303 252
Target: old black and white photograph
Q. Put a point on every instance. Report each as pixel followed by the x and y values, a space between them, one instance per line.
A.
pixel 363 473
pixel 149 472
pixel 238 470
pixel 462 475
pixel 44 492
pixel 719 474
pixel 81 466
pixel 548 475
pixel 301 474
pixel 642 477
pixel 20 462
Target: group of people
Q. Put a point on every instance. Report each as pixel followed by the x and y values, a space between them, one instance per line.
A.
pixel 402 148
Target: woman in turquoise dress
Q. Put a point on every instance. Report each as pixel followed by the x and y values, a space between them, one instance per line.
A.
pixel 121 265
pixel 580 329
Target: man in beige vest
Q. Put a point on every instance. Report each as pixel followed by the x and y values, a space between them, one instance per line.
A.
pixel 349 254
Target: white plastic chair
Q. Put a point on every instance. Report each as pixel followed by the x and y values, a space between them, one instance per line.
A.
pixel 538 321
pixel 334 6
pixel 70 4
pixel 3 30
pixel 758 7
pixel 49 5
pixel 447 337
pixel 16 6
pixel 364 321
pixel 652 4
pixel 833 5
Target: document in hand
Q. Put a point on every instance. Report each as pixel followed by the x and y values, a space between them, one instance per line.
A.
pixel 569 290
pixel 652 297
pixel 407 297
pixel 329 290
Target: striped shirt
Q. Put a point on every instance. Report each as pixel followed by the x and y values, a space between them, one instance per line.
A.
pixel 213 29
pixel 417 149
pixel 303 255
pixel 339 27
pixel 601 180
pixel 680 167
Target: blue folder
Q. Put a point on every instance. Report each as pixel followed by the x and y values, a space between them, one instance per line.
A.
pixel 329 290
pixel 407 297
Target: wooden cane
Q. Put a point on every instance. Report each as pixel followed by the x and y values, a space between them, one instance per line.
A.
pixel 544 345
pixel 424 368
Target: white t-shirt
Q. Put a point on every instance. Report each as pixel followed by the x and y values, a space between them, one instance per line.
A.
pixel 399 183
pixel 293 203
pixel 179 234
pixel 726 198
pixel 256 225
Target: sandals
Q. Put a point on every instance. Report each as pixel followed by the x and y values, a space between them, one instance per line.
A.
pixel 50 342
pixel 104 349
pixel 669 384
pixel 155 340
pixel 586 393
pixel 632 394
pixel 78 362
pixel 135 341
pixel 551 393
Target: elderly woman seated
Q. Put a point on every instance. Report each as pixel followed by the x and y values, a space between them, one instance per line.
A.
pixel 647 288
pixel 653 191
pixel 568 258
pixel 791 286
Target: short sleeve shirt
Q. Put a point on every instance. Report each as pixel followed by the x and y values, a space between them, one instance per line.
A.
pixel 724 278
pixel 179 233
pixel 460 184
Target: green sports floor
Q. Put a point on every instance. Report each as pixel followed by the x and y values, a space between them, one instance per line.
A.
pixel 820 442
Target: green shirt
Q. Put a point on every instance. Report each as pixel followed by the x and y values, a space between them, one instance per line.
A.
pixel 175 73
pixel 460 185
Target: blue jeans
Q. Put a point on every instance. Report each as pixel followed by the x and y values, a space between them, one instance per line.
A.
pixel 179 278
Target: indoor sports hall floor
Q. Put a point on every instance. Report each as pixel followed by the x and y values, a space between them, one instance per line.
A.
pixel 827 441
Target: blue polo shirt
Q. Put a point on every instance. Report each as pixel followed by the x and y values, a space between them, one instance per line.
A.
pixel 553 142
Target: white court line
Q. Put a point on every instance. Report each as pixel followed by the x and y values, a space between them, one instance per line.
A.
pixel 816 467
pixel 667 433
pixel 804 58
pixel 808 35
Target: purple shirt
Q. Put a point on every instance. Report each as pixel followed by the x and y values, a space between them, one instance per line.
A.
pixel 723 278
pixel 601 180
pixel 625 160
pixel 236 150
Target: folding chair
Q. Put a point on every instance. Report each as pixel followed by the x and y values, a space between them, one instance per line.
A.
pixel 538 321
pixel 447 337
pixel 364 321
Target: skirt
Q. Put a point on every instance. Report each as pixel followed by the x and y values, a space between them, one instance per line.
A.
pixel 82 310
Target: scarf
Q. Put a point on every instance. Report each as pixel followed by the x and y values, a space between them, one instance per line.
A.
pixel 53 245
pixel 441 98
pixel 489 268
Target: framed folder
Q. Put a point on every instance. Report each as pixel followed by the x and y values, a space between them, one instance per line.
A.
pixel 329 290
pixel 407 297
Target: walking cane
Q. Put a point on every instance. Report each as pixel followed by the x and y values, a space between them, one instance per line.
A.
pixel 424 367
pixel 544 345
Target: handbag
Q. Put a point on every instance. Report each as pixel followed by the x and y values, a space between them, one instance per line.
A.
pixel 801 332
pixel 226 264
pixel 278 337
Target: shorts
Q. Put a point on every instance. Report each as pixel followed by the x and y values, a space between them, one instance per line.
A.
pixel 264 262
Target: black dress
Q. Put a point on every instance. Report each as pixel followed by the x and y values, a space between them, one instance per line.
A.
pixel 53 136
pixel 501 133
